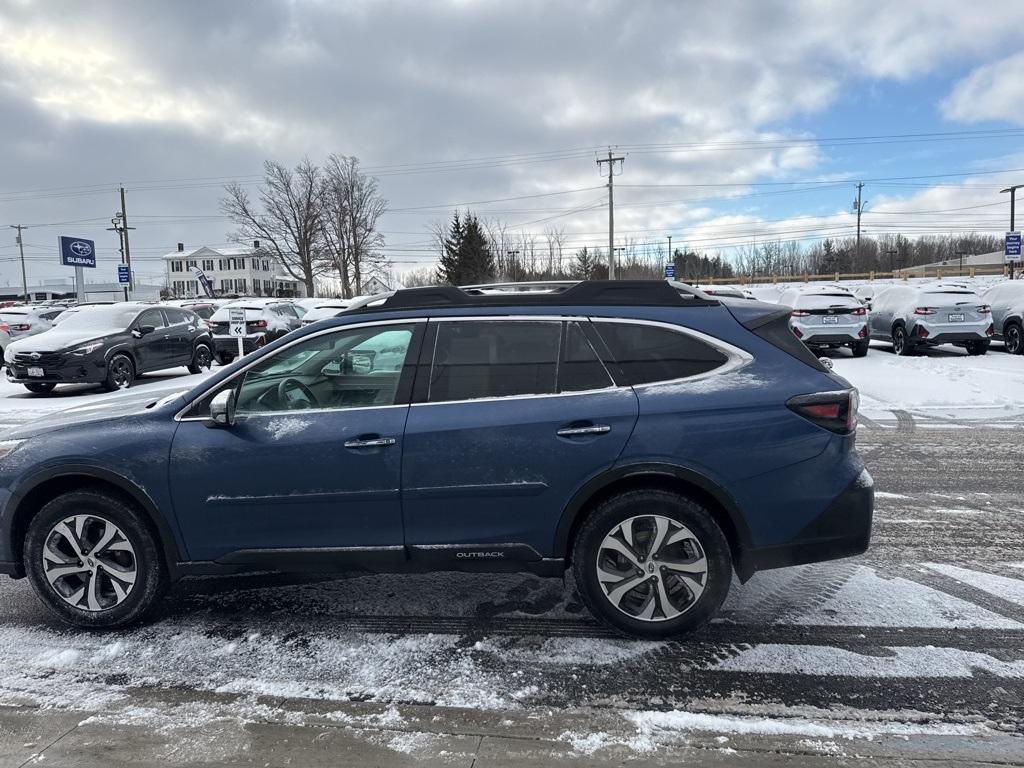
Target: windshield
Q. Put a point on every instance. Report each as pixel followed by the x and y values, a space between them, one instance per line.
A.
pixel 92 318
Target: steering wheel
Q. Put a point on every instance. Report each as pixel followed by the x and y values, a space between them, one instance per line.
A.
pixel 286 386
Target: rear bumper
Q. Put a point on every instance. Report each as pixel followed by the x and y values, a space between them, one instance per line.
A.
pixel 951 338
pixel 229 344
pixel 842 530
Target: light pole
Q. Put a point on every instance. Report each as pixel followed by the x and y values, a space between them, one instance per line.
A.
pixel 1013 203
pixel 961 255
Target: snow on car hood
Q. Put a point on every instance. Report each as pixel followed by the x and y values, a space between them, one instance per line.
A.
pixel 103 407
pixel 57 339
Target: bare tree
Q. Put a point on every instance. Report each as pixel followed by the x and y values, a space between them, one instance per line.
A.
pixel 352 206
pixel 286 221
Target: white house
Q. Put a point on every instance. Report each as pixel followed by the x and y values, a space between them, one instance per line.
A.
pixel 242 269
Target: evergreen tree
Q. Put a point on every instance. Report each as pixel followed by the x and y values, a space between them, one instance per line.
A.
pixel 585 264
pixel 448 265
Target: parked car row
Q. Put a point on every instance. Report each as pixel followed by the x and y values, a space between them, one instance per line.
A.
pixel 909 316
pixel 112 344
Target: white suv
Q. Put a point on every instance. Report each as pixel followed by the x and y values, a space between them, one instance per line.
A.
pixel 828 316
pixel 912 317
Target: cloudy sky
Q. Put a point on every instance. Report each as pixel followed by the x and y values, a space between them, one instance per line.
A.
pixel 739 121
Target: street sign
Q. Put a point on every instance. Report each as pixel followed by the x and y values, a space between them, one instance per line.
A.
pixel 670 271
pixel 77 252
pixel 1011 248
pixel 236 321
pixel 123 275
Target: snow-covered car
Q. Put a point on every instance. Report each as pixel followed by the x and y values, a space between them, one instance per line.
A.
pixel 265 321
pixel 915 316
pixel 1007 302
pixel 325 309
pixel 828 316
pixel 728 291
pixel 5 337
pixel 28 321
pixel 866 294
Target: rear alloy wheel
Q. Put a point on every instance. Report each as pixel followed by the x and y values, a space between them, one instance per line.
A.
pixel 652 563
pixel 860 348
pixel 39 387
pixel 202 359
pixel 1014 339
pixel 120 373
pixel 92 561
pixel 975 348
pixel 901 342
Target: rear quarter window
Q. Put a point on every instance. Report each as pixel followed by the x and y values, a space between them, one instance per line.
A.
pixel 645 354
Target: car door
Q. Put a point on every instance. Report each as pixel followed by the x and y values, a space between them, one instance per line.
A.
pixel 880 319
pixel 179 335
pixel 308 475
pixel 152 346
pixel 510 417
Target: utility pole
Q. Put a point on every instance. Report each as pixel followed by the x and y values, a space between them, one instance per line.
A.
pixel 669 260
pixel 611 160
pixel 1013 203
pixel 961 255
pixel 122 233
pixel 859 206
pixel 21 250
pixel 127 247
pixel 891 253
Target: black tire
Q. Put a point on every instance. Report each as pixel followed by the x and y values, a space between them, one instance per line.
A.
pixel 1013 338
pixel 40 387
pixel 120 373
pixel 202 359
pixel 860 348
pixel 975 348
pixel 650 503
pixel 99 508
pixel 223 358
pixel 901 342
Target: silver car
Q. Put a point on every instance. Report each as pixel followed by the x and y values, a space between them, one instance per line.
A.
pixel 1007 302
pixel 28 321
pixel 828 316
pixel 916 316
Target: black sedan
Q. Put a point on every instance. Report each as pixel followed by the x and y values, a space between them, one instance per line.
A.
pixel 110 345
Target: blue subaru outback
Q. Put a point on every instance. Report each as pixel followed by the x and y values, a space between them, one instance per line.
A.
pixel 651 438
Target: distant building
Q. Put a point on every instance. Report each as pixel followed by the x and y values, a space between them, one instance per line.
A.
pixel 380 285
pixel 988 262
pixel 242 269
pixel 64 288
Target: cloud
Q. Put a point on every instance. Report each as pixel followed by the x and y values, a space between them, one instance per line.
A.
pixel 991 92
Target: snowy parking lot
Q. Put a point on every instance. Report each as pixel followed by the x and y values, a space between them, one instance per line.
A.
pixel 913 650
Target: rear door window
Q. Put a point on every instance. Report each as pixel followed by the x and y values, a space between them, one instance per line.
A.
pixel 494 358
pixel 645 354
pixel 581 369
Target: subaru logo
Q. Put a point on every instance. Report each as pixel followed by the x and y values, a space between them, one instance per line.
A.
pixel 80 248
pixel 35 355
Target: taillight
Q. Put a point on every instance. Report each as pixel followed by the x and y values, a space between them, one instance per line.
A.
pixel 989 331
pixel 834 411
pixel 4 327
pixel 799 313
pixel 924 311
pixel 797 332
pixel 256 323
pixel 863 332
pixel 985 309
pixel 922 332
pixel 21 327
pixel 859 312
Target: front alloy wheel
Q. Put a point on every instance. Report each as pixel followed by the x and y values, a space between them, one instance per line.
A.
pixel 652 568
pixel 89 563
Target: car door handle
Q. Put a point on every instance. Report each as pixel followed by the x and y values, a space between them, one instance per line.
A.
pixel 370 442
pixel 592 429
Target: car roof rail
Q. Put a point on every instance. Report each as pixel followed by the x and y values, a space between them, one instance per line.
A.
pixel 586 292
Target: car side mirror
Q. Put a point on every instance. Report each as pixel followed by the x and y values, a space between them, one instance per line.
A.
pixel 222 409
pixel 143 330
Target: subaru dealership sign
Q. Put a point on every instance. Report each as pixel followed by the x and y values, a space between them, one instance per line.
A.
pixel 77 252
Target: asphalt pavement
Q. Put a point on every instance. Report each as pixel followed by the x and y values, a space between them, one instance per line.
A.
pixel 912 654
